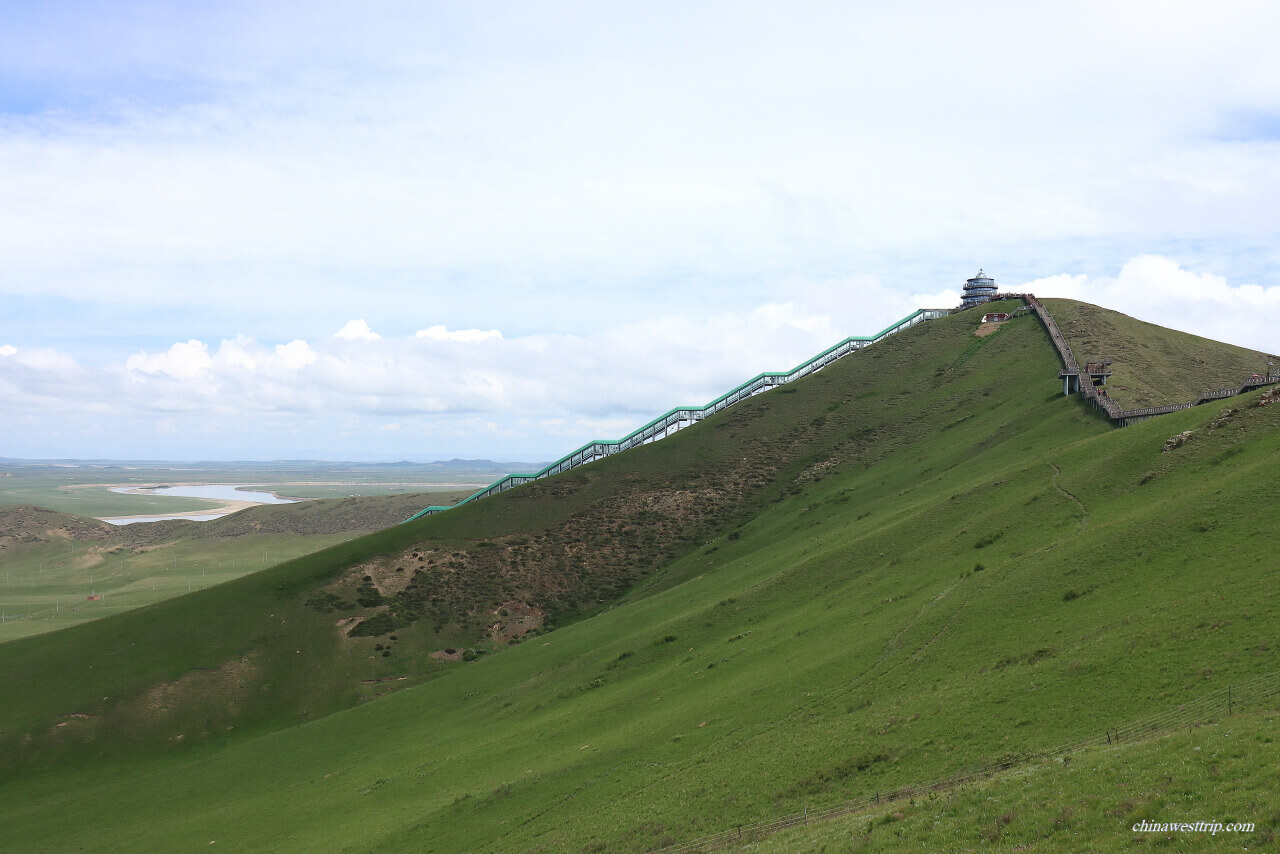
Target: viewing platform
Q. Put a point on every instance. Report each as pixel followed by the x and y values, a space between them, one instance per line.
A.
pixel 1098 373
pixel 981 288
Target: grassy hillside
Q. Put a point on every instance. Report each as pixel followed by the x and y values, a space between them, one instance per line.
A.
pixel 558 547
pixel 1088 802
pixel 1153 365
pixel 51 563
pixel 69 494
pixel 921 560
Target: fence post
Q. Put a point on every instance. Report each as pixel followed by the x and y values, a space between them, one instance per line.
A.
pixel 1229 704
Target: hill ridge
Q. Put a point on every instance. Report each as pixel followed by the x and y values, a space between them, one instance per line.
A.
pixel 1071 375
pixel 684 416
pixel 680 417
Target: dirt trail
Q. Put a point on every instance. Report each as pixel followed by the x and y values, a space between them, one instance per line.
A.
pixel 1084 511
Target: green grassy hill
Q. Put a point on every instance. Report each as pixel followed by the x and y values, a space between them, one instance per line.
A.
pixel 1086 802
pixel 921 560
pixel 1152 365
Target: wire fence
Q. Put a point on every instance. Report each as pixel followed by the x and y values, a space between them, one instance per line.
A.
pixel 1247 694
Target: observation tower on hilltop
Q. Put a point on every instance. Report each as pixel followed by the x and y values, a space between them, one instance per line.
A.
pixel 978 290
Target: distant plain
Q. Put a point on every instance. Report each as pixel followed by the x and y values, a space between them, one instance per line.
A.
pixel 83 488
pixel 46 584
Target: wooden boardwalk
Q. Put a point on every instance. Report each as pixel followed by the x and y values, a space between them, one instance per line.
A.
pixel 1104 404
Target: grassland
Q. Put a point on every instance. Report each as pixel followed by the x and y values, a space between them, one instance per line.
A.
pixel 49 570
pixel 83 488
pixel 1152 365
pixel 919 561
pixel 1226 773
pixel 87 495
pixel 47 588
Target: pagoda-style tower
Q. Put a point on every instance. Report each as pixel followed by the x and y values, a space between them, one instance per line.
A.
pixel 978 290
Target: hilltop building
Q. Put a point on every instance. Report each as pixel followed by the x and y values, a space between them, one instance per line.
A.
pixel 978 290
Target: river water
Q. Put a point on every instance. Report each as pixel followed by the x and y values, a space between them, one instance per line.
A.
pixel 211 491
pixel 215 491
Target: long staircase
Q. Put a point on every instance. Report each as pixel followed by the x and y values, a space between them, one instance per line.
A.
pixel 681 417
pixel 1108 407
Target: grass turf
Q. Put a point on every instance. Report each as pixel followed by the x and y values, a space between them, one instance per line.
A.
pixel 1089 801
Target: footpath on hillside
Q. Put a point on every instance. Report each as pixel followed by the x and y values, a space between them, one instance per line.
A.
pixel 1209 709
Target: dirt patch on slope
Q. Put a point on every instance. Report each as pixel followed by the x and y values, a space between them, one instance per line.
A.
pixel 592 557
pixel 167 707
pixel 388 576
pixel 514 619
pixel 985 329
pixel 223 687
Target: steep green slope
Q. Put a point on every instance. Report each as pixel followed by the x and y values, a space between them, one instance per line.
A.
pixel 1227 774
pixel 557 548
pixel 1153 365
pixel 945 562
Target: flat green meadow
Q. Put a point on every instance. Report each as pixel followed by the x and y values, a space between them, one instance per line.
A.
pixel 48 587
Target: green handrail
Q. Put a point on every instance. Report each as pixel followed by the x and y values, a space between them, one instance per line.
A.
pixel 659 427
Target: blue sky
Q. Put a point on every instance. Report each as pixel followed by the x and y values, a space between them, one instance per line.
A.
pixel 230 231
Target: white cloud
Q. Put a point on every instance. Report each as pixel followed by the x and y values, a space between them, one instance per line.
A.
pixel 237 353
pixel 47 361
pixel 535 395
pixel 466 336
pixel 503 142
pixel 1159 290
pixel 539 174
pixel 295 355
pixel 357 330
pixel 561 385
pixel 183 361
pixel 945 298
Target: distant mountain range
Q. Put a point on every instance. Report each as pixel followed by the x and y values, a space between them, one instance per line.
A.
pixel 454 465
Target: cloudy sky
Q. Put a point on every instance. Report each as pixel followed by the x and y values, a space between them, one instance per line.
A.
pixel 424 230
